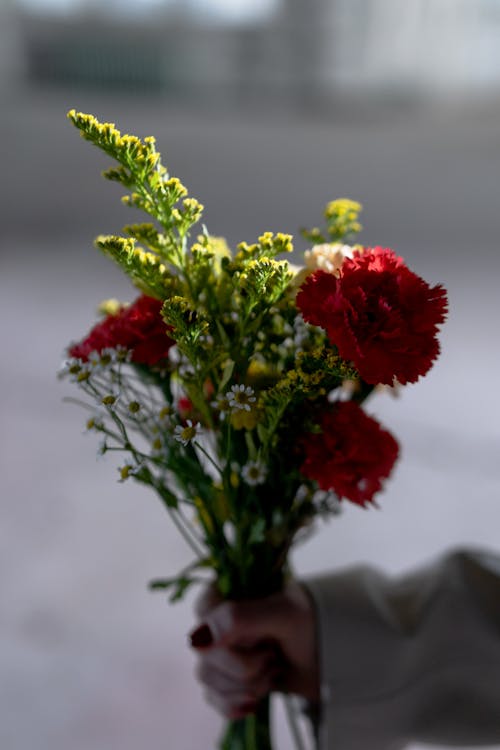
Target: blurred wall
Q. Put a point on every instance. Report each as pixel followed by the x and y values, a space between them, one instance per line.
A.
pixel 289 50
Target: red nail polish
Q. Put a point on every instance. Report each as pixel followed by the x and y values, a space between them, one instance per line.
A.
pixel 201 637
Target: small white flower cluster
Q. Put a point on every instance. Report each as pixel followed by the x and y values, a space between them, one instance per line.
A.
pixel 301 332
pixel 79 371
pixel 75 369
pixel 110 356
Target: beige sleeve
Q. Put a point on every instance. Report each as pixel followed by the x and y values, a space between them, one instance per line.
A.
pixel 410 659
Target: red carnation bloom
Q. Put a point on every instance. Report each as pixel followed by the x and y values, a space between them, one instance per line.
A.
pixel 138 327
pixel 379 315
pixel 351 455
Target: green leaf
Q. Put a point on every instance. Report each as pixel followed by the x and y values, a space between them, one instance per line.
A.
pixel 226 341
pixel 178 586
pixel 227 374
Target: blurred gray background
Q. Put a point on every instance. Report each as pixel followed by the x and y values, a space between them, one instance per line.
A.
pixel 266 109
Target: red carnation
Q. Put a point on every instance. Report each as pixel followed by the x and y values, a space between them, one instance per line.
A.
pixel 138 327
pixel 379 315
pixel 351 455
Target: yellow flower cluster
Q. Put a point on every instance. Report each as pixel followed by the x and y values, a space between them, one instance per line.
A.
pixel 342 222
pixel 268 245
pixel 342 217
pixel 107 136
pixel 110 307
pixel 145 269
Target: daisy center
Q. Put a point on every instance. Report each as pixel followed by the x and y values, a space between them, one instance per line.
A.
pixel 188 433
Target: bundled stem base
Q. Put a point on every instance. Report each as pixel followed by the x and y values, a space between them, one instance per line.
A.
pixel 251 733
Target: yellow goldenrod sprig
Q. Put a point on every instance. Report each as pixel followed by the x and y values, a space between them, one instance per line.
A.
pixel 325 361
pixel 126 149
pixel 145 269
pixel 268 245
pixel 342 222
pixel 152 189
pixel 186 322
pixel 263 282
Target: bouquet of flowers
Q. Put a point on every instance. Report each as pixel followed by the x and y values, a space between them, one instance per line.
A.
pixel 234 384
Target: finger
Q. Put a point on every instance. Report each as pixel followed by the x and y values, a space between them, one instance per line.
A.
pixel 225 686
pixel 240 665
pixel 243 624
pixel 233 706
pixel 257 684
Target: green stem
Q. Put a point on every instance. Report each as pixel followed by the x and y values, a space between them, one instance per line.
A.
pixel 251 733
pixel 209 457
pixel 184 532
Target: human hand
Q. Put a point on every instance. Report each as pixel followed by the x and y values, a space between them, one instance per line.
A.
pixel 246 649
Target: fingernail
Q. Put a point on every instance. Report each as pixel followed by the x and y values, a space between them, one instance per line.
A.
pixel 201 637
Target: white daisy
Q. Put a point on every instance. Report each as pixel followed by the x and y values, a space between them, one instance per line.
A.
pixel 157 447
pixel 241 397
pixel 164 416
pixel 128 471
pixel 118 354
pixel 69 367
pixel 222 406
pixel 77 370
pixel 95 359
pixel 109 399
pixel 95 421
pixel 254 473
pixel 187 433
